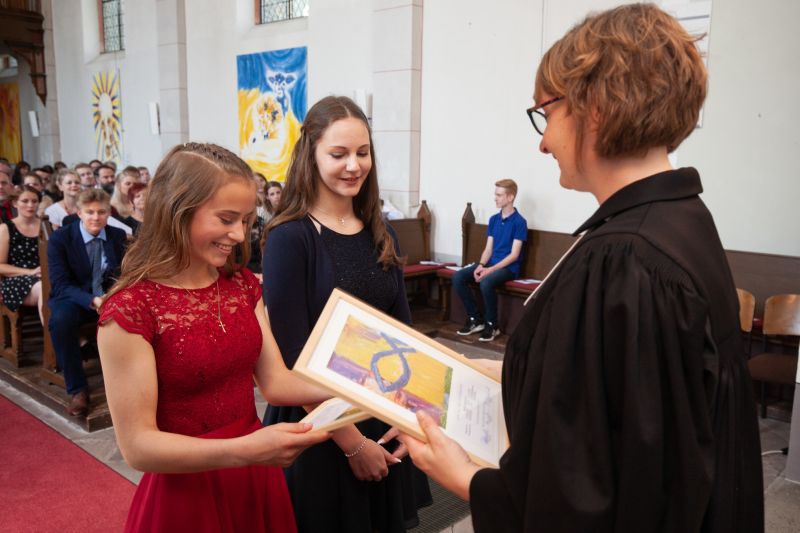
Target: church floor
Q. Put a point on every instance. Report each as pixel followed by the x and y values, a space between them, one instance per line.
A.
pixel 782 497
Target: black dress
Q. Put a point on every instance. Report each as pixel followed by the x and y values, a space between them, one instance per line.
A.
pixel 301 268
pixel 626 393
pixel 23 252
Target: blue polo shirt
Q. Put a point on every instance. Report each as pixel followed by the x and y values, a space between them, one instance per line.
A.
pixel 505 231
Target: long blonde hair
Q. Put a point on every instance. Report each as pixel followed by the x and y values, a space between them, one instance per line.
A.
pixel 186 178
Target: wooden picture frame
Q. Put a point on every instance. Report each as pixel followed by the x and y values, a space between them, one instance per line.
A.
pixel 390 371
pixel 333 414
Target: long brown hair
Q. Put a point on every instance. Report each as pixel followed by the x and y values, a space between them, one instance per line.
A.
pixel 186 178
pixel 302 178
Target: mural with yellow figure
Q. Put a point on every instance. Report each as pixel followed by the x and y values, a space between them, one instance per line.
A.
pixel 272 107
pixel 10 138
pixel 107 116
pixel 395 370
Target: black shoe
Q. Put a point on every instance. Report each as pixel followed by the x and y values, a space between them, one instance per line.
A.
pixel 473 325
pixel 489 332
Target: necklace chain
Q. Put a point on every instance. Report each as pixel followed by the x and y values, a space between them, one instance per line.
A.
pixel 340 219
pixel 219 303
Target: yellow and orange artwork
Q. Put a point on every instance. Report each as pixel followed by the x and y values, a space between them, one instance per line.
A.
pixel 10 138
pixel 107 116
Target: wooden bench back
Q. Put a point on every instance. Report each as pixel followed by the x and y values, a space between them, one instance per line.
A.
pixel 411 238
pixel 414 235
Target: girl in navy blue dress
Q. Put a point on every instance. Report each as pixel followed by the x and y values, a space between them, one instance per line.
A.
pixel 328 232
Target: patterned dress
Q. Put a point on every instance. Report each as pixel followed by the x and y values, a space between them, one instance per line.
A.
pixel 23 252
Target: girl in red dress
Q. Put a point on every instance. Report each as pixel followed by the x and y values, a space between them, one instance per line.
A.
pixel 182 335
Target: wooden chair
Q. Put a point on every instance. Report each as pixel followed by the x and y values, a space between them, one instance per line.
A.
pixel 11 326
pixel 747 310
pixel 781 317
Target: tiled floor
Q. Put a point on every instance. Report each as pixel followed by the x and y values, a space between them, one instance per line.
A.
pixel 782 497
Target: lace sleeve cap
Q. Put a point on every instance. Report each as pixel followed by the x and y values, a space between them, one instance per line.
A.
pixel 130 310
pixel 252 286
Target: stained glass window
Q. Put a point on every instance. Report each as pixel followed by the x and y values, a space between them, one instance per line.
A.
pixel 277 10
pixel 113 28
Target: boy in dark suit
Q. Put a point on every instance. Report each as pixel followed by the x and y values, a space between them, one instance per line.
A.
pixel 83 260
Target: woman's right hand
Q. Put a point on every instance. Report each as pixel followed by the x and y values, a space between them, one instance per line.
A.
pixel 36 271
pixel 280 444
pixel 372 462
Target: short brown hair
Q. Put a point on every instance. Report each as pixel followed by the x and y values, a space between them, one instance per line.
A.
pixel 509 185
pixel 635 68
pixel 90 196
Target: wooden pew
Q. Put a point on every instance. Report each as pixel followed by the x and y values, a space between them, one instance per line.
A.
pixel 414 238
pixel 49 371
pixel 541 252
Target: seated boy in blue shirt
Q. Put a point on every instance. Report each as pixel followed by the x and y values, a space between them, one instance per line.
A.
pixel 500 262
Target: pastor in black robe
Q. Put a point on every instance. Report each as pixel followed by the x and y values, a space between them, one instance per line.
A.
pixel 626 394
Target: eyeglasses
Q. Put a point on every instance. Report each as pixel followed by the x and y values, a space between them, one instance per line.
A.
pixel 539 119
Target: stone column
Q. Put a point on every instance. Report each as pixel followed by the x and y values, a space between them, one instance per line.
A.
pixel 397 84
pixel 173 102
pixel 49 149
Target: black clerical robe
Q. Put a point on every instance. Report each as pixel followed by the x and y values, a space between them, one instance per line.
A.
pixel 626 393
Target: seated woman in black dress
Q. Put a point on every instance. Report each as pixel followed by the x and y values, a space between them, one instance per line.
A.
pixel 626 395
pixel 19 254
pixel 328 232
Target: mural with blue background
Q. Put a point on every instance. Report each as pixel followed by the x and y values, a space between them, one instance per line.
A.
pixel 272 106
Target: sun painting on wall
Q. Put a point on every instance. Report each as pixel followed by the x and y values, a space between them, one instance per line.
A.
pixel 10 138
pixel 272 106
pixel 107 116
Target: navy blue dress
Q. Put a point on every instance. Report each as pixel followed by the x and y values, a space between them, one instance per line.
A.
pixel 301 268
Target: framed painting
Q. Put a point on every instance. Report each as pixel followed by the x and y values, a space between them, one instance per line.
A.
pixel 391 371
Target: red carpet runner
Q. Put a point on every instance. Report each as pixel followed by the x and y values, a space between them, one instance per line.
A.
pixel 47 483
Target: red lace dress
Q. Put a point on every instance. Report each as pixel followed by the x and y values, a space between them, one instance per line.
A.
pixel 205 389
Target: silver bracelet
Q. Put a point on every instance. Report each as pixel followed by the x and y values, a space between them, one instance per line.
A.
pixel 357 450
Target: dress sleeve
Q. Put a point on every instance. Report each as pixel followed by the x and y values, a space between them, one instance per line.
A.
pixel 251 285
pixel 129 309
pixel 608 419
pixel 286 291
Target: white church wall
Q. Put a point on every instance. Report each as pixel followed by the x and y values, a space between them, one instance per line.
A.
pixel 337 34
pixel 77 49
pixel 478 73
